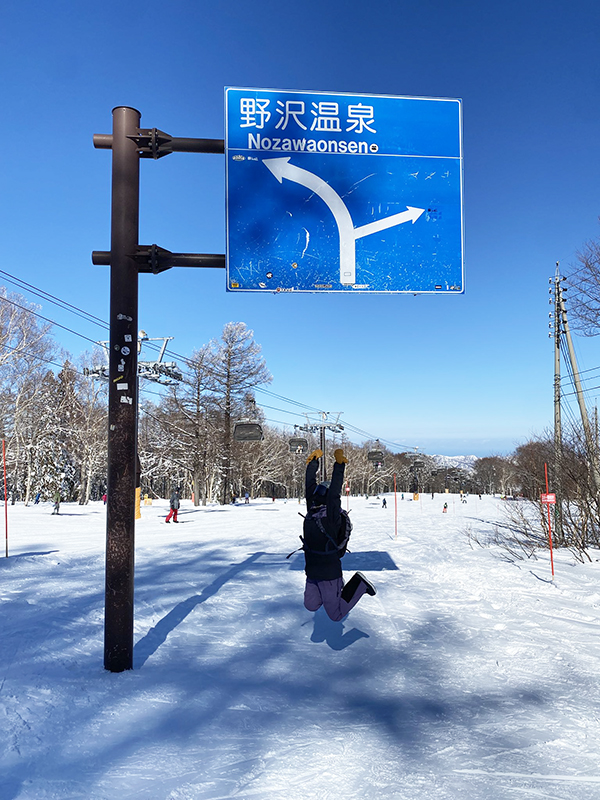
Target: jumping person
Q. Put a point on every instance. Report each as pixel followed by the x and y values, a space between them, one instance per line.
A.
pixel 326 532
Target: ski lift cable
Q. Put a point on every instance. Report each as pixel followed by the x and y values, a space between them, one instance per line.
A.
pixel 179 357
pixel 277 421
pixel 41 358
pixel 147 391
pixel 72 309
pixel 370 436
pixel 96 320
pixel 85 315
pixel 36 290
pixel 288 399
pixel 46 319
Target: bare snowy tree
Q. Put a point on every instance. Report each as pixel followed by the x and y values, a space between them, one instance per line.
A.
pixel 584 283
pixel 494 474
pixel 26 347
pixel 238 368
pixel 190 419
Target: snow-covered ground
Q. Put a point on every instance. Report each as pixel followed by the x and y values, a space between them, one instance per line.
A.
pixel 467 677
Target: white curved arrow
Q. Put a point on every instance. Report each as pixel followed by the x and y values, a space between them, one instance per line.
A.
pixel 281 168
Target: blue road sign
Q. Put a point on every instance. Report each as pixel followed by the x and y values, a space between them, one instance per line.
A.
pixel 343 193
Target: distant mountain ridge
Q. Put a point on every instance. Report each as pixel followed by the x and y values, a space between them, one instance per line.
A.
pixel 462 462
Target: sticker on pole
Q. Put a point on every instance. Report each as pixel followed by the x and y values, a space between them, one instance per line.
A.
pixel 343 193
pixel 549 498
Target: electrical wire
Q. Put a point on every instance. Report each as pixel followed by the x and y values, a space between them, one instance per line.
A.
pixel 583 372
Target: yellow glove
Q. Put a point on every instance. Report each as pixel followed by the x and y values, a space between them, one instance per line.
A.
pixel 340 457
pixel 313 455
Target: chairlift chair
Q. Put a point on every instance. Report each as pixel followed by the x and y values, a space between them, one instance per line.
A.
pixel 247 432
pixel 375 456
pixel 298 446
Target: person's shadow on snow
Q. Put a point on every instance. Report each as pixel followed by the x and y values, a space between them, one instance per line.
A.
pixel 326 630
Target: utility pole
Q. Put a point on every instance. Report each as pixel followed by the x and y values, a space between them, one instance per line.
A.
pixel 587 431
pixel 556 333
pixel 320 426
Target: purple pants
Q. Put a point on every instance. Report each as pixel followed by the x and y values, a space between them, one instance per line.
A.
pixel 329 595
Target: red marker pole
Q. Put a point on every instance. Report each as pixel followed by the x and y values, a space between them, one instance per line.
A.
pixel 395 509
pixel 5 496
pixel 548 503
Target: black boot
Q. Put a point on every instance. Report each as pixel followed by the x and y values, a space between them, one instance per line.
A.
pixel 370 588
pixel 355 581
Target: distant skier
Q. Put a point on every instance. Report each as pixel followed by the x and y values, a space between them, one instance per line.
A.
pixel 326 533
pixel 174 502
pixel 445 508
pixel 384 504
pixel 246 498
pixel 56 506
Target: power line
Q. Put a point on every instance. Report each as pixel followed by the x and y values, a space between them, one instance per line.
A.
pixel 583 372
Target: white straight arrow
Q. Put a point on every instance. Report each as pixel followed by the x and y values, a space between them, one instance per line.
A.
pixel 281 168
pixel 411 214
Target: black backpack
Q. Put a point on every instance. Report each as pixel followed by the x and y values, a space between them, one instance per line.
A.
pixel 331 546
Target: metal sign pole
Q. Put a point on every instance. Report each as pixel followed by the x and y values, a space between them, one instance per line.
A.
pixel 122 393
pixel 127 258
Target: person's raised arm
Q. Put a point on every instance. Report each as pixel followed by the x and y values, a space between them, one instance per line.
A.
pixel 312 467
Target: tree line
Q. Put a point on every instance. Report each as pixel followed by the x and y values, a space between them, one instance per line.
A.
pixel 53 420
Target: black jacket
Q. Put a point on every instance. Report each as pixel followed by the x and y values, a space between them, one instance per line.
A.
pixel 320 566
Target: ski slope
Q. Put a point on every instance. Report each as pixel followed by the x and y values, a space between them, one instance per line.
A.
pixel 467 676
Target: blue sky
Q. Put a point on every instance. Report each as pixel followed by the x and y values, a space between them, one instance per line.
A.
pixel 453 374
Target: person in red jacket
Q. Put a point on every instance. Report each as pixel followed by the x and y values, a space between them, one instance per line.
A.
pixel 324 543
